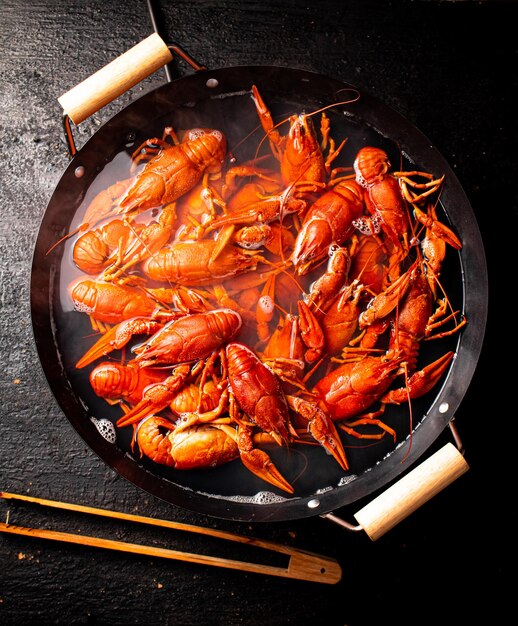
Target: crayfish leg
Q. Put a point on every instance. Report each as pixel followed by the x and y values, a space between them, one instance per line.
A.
pixel 369 419
pixel 151 147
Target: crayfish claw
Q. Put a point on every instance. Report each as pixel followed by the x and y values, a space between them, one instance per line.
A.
pixel 157 397
pixel 324 431
pixel 321 428
pixel 438 229
pixel 138 413
pixel 257 461
pixel 420 383
pixel 260 464
pixel 117 337
pixel 311 332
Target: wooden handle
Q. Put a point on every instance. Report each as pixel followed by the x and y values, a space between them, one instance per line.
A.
pixel 115 78
pixel 412 491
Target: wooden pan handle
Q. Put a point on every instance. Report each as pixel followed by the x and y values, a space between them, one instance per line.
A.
pixel 412 491
pixel 115 78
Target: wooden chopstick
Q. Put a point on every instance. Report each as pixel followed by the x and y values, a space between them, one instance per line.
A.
pixel 302 565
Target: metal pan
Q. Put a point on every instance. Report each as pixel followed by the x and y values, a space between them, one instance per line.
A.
pixel 219 98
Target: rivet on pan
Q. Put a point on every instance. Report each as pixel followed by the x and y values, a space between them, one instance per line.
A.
pixel 212 82
pixel 443 408
pixel 79 172
pixel 313 504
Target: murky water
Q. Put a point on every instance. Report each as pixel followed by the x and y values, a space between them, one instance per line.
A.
pixel 307 467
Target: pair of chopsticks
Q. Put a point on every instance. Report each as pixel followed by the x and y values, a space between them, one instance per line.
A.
pixel 302 565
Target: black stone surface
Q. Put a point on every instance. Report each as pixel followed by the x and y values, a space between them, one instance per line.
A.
pixel 450 68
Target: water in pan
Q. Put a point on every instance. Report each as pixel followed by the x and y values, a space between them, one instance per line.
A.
pixel 307 467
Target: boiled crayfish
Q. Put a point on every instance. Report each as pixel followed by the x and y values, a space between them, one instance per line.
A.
pixel 176 169
pixel 242 306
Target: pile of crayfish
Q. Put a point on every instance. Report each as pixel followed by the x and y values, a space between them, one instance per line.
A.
pixel 275 302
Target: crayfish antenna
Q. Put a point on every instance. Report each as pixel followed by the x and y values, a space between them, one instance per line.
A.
pixel 79 229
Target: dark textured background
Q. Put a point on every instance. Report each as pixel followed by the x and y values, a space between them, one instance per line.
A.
pixel 435 63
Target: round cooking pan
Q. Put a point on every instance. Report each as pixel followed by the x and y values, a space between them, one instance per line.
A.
pixel 222 99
